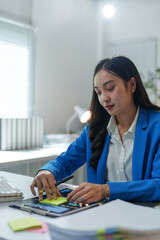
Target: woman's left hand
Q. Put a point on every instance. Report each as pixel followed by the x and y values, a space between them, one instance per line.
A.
pixel 89 192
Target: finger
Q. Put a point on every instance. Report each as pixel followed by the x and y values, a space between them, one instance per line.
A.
pixel 33 185
pixel 54 189
pixel 58 193
pixel 77 195
pixel 39 186
pixel 40 195
pixel 85 198
pixel 75 191
pixel 89 200
pixel 51 183
pixel 47 188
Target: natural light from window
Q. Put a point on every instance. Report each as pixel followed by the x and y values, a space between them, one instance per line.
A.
pixel 14 79
pixel 16 70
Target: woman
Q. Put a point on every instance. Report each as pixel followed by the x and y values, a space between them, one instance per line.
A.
pixel 121 143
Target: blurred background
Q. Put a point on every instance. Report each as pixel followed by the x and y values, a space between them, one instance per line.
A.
pixel 70 37
pixel 64 40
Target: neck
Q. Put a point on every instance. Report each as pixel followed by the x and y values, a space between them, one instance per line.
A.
pixel 124 121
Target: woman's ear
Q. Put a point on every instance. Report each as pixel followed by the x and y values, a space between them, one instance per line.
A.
pixel 132 84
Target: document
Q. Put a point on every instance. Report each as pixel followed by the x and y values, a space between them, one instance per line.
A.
pixel 116 218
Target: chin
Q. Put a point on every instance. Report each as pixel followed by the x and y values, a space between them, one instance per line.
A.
pixel 112 113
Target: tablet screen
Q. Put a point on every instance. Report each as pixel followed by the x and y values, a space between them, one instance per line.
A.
pixel 33 205
pixel 52 208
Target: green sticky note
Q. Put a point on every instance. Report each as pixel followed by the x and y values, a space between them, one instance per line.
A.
pixel 57 202
pixel 24 223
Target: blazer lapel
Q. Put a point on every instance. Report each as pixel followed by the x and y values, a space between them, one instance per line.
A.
pixel 101 168
pixel 139 145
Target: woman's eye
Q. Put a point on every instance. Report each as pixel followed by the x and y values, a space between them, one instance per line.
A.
pixel 111 89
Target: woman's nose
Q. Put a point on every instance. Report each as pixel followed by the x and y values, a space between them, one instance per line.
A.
pixel 105 98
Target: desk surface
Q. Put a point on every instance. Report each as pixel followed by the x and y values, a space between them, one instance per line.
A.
pixel 7 213
pixel 10 214
pixel 22 156
pixel 133 216
pixel 54 145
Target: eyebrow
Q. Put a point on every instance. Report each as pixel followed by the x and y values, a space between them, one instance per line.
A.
pixel 104 84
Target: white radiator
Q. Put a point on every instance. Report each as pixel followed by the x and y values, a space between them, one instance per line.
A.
pixel 21 133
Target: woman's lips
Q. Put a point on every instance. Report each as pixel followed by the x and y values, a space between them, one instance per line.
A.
pixel 108 107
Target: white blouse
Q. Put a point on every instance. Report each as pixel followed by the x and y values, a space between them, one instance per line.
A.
pixel 119 160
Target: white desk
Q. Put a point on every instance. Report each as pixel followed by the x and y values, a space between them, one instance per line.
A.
pixel 55 145
pixel 114 214
pixel 7 213
pixel 10 158
pixel 29 161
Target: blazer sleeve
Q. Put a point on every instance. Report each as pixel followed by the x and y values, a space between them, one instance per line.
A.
pixel 141 190
pixel 67 162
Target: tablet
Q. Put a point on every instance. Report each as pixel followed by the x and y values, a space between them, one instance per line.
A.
pixel 33 205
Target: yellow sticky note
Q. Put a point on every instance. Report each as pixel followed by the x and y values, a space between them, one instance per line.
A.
pixel 24 223
pixel 57 202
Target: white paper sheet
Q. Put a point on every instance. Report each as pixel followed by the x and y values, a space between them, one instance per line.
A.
pixel 115 214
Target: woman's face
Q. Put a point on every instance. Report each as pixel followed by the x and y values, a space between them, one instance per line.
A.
pixel 113 94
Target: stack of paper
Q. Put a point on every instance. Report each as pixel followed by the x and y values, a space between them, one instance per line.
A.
pixel 8 192
pixel 114 220
pixel 113 233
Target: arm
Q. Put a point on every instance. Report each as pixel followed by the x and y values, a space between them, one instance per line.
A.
pixel 69 161
pixel 143 190
pixel 146 189
pixel 62 166
pixel 146 175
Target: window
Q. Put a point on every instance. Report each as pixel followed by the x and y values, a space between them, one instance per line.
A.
pixel 16 70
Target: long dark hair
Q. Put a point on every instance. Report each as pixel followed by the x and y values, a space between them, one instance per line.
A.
pixel 125 69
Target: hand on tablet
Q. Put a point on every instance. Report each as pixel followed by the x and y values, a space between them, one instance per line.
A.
pixel 45 180
pixel 88 193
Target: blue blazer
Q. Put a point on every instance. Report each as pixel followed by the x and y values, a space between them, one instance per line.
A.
pixel 145 184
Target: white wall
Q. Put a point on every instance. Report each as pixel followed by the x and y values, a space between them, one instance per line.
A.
pixel 19 10
pixel 71 36
pixel 66 53
pixel 134 21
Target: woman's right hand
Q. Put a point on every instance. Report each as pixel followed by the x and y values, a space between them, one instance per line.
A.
pixel 45 180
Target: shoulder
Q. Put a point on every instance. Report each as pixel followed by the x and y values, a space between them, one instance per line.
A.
pixel 85 131
pixel 149 113
pixel 154 115
pixel 149 118
pixel 84 135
